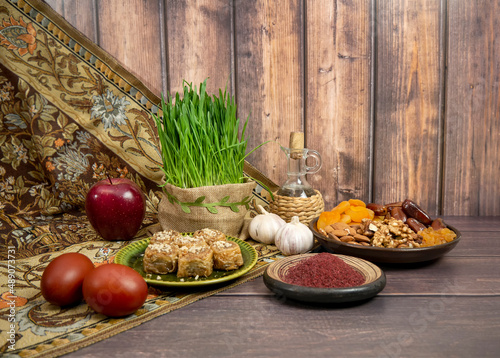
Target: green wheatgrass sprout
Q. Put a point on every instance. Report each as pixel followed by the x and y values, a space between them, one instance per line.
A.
pixel 199 138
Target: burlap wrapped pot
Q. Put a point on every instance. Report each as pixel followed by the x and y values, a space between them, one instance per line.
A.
pixel 220 207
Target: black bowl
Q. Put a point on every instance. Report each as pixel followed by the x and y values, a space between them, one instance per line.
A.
pixel 385 255
pixel 374 282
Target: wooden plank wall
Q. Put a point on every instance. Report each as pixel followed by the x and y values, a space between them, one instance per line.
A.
pixel 401 97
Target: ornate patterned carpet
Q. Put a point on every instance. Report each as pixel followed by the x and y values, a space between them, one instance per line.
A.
pixel 69 114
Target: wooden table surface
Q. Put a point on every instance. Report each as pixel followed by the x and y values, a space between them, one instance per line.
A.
pixel 446 308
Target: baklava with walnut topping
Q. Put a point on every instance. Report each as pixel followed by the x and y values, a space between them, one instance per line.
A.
pixel 160 258
pixel 209 235
pixel 227 255
pixel 195 261
pixel 188 241
pixel 165 236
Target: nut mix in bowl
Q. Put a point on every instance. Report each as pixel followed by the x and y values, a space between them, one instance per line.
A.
pixel 395 233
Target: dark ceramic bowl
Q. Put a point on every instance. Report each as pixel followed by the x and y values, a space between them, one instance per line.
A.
pixel 385 255
pixel 374 282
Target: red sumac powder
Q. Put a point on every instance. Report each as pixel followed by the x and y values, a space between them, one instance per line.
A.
pixel 323 270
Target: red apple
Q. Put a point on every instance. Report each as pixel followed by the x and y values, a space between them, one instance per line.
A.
pixel 115 208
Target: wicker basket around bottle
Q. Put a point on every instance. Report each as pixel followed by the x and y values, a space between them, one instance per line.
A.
pixel 305 208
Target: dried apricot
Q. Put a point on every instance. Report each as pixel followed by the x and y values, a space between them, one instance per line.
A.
pixel 342 207
pixel 327 218
pixel 345 218
pixel 357 202
pixel 358 213
pixel 371 214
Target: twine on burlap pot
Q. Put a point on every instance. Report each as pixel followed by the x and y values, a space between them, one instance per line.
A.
pixel 220 207
pixel 306 209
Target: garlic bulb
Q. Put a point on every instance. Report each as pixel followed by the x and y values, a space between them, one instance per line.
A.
pixel 294 238
pixel 264 226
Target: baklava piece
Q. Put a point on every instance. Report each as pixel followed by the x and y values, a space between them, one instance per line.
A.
pixel 209 235
pixel 195 261
pixel 165 236
pixel 188 241
pixel 227 255
pixel 160 258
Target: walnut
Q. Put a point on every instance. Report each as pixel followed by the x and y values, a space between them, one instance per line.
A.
pixel 392 233
pixel 365 229
pixel 396 227
pixel 381 237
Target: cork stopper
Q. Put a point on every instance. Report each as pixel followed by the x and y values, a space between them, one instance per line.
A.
pixel 296 145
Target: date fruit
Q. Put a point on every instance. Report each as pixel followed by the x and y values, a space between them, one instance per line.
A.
pixel 415 225
pixel 438 224
pixel 412 210
pixel 378 209
pixel 398 214
pixel 393 205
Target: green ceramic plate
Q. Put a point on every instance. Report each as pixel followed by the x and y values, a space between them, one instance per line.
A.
pixel 132 255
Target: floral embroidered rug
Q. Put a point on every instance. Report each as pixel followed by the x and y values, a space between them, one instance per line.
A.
pixel 69 114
